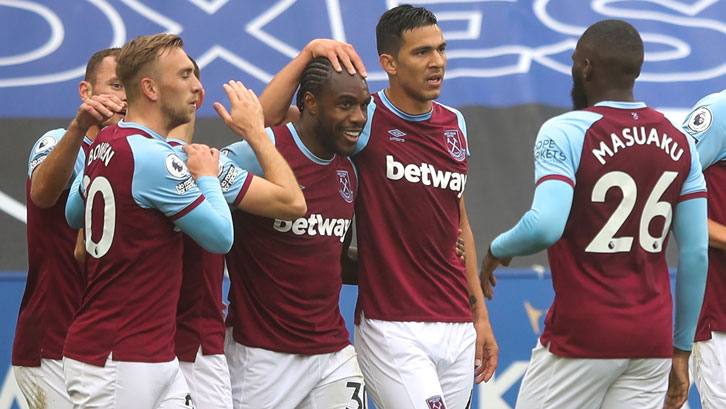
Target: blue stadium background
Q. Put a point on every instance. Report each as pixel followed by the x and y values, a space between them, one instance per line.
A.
pixel 509 64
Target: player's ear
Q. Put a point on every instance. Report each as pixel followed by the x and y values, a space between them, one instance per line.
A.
pixel 85 90
pixel 200 99
pixel 311 103
pixel 587 69
pixel 388 63
pixel 149 88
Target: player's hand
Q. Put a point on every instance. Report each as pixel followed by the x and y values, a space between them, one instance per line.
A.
pixel 337 52
pixel 678 382
pixel 460 249
pixel 98 109
pixel 203 160
pixel 245 117
pixel 487 352
pixel 488 265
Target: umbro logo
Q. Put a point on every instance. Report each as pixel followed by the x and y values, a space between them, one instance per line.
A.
pixel 397 135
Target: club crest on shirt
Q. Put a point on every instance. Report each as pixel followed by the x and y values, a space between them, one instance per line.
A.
pixel 344 186
pixel 45 143
pixel 454 144
pixel 700 120
pixel 435 402
pixel 176 167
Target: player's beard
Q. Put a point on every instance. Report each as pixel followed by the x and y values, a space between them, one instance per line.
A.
pixel 325 135
pixel 578 95
pixel 175 117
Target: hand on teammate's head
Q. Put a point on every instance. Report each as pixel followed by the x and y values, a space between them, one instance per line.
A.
pixel 203 160
pixel 337 53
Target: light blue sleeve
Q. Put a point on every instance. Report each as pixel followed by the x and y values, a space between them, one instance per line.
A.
pixel 210 223
pixel 695 182
pixel 690 229
pixel 365 136
pixel 558 148
pixel 42 147
pixel 162 181
pixel 542 225
pixel 706 124
pixel 79 165
pixel 75 205
pixel 242 155
pixel 232 178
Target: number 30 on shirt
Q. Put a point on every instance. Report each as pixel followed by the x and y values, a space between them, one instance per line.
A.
pixel 101 186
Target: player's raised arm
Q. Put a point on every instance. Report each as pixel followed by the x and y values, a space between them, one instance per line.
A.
pixel 277 96
pixel 278 195
pixel 51 176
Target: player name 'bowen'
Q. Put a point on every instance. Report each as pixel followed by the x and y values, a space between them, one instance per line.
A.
pixel 639 136
pixel 102 152
pixel 314 225
pixel 426 174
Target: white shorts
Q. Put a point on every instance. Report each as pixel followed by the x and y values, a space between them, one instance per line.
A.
pixel 708 365
pixel 208 379
pixel 121 385
pixel 554 382
pixel 43 386
pixel 417 365
pixel 263 379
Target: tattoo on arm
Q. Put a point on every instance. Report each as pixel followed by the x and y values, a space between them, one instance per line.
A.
pixel 472 305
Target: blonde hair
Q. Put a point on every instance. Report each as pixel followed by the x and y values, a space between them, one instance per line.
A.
pixel 138 54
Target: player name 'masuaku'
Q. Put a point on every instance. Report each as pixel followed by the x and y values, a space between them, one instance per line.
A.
pixel 426 174
pixel 313 225
pixel 103 152
pixel 637 136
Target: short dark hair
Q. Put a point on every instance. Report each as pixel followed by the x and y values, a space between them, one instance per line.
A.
pixel 618 43
pixel 313 78
pixel 95 61
pixel 394 22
